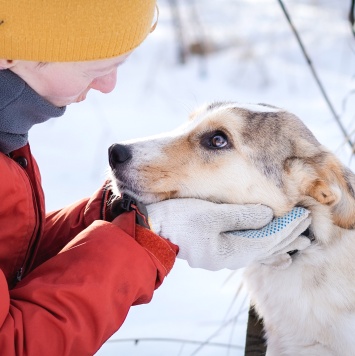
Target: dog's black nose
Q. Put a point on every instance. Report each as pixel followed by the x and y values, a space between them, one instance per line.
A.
pixel 118 154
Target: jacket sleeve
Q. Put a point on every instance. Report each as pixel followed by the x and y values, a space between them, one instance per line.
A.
pixel 61 226
pixel 72 303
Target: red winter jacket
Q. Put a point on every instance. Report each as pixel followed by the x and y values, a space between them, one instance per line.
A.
pixel 67 279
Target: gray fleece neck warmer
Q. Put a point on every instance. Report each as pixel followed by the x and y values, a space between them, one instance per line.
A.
pixel 20 108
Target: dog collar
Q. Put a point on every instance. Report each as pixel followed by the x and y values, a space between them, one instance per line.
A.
pixel 128 203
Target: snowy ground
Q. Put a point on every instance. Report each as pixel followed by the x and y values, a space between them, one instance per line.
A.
pixel 258 60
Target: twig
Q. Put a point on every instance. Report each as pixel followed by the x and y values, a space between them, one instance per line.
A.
pixel 162 339
pixel 177 22
pixel 236 296
pixel 352 16
pixel 315 75
pixel 207 341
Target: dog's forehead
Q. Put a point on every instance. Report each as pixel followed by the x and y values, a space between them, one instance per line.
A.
pixel 240 110
pixel 219 115
pixel 250 107
pixel 257 108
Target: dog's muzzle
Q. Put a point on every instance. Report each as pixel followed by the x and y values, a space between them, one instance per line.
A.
pixel 118 154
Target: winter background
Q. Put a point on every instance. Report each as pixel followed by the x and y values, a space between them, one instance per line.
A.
pixel 251 56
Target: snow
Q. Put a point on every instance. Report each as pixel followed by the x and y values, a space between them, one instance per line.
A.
pixel 255 59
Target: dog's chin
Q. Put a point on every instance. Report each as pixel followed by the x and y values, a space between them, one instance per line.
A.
pixel 146 197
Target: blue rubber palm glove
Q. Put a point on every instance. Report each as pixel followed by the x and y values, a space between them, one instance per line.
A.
pixel 297 221
pixel 216 236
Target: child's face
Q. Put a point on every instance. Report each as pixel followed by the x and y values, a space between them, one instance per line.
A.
pixel 63 83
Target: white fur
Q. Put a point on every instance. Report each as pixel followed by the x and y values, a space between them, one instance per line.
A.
pixel 309 308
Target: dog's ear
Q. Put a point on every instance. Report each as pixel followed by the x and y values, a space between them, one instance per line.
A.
pixel 333 185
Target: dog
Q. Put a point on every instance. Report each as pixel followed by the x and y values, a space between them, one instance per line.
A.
pixel 256 153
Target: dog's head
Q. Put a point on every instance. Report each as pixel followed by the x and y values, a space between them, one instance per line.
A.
pixel 234 153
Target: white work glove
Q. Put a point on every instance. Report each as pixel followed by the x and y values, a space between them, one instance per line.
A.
pixel 216 236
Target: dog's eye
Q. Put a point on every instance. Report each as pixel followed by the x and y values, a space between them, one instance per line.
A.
pixel 219 141
pixel 215 140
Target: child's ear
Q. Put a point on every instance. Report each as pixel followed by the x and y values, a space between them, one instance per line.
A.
pixel 7 63
pixel 334 186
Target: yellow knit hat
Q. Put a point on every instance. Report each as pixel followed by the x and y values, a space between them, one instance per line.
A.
pixel 72 30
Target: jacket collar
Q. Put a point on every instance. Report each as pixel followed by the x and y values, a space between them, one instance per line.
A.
pixel 20 108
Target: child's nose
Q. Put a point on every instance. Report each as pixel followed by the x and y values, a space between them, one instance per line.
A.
pixel 106 83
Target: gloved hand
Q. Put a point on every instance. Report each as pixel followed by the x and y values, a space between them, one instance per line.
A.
pixel 288 228
pixel 216 236
pixel 102 206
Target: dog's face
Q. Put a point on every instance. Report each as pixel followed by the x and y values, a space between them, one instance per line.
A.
pixel 234 153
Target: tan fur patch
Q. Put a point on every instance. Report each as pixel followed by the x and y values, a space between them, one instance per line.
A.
pixel 321 191
pixel 331 188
